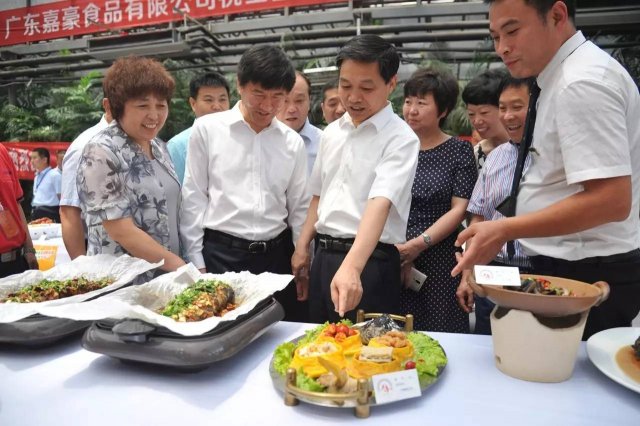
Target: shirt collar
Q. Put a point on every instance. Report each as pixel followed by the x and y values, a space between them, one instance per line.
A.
pixel 305 132
pixel 377 120
pixel 547 74
pixel 43 170
pixel 237 117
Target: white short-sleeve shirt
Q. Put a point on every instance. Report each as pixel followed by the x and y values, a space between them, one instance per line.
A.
pixel 247 184
pixel 354 164
pixel 587 127
pixel 69 195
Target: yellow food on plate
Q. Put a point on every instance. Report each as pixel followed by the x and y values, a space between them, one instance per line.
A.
pixel 306 357
pixel 349 344
pixel 402 347
pixel 371 361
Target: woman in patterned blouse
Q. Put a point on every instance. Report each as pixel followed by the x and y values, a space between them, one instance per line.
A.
pixel 126 182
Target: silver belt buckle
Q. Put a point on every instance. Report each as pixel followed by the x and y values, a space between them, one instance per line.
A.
pixel 8 256
pixel 258 247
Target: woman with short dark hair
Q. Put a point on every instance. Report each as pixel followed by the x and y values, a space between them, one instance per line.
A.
pixel 444 180
pixel 127 185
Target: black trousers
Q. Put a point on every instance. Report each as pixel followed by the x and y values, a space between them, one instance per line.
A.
pixel 52 212
pixel 621 272
pixel 220 258
pixel 381 284
pixel 16 266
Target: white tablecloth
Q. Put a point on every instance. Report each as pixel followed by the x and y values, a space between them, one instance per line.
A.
pixel 66 385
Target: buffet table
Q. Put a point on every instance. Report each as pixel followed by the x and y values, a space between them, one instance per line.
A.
pixel 66 385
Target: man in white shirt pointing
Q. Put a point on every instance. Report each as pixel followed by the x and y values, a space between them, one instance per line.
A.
pixel 361 185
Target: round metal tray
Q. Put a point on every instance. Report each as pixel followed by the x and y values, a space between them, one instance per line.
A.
pixel 279 384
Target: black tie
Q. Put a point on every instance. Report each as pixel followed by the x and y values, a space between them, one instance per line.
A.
pixel 508 206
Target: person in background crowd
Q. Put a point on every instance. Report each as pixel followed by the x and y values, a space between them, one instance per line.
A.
pixel 209 93
pixel 46 187
pixel 72 218
pixel 331 105
pixel 59 157
pixel 127 186
pixel 577 208
pixel 245 180
pixel 295 115
pixel 441 190
pixel 493 186
pixel 16 249
pixel 481 97
pixel 361 191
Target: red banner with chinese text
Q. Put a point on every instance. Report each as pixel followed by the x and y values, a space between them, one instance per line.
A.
pixel 76 17
pixel 19 153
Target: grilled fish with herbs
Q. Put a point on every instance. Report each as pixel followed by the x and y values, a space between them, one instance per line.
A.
pixel 46 290
pixel 204 299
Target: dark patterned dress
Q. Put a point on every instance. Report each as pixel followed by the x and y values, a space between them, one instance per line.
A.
pixel 443 172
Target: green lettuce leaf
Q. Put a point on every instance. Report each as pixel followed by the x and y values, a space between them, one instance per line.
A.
pixel 428 354
pixel 307 383
pixel 282 357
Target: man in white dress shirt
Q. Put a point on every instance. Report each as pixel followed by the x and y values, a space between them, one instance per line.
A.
pixel 361 191
pixel 295 115
pixel 73 226
pixel 577 209
pixel 245 180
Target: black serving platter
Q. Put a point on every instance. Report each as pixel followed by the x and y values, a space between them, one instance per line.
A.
pixel 138 341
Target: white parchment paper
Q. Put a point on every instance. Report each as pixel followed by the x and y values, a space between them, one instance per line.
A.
pixel 144 301
pixel 123 269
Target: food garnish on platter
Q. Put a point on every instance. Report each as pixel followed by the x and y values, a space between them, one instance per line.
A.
pixel 202 300
pixel 348 338
pixel 373 360
pixel 307 357
pixel 540 286
pixel 46 290
pixel 41 221
pixel 397 340
pixel 416 350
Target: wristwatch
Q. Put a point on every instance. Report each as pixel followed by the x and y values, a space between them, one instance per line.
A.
pixel 427 239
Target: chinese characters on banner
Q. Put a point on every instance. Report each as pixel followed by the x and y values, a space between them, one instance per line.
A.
pixel 75 17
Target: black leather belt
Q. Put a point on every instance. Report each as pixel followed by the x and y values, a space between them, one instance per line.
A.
pixel 242 244
pixel 343 245
pixel 11 255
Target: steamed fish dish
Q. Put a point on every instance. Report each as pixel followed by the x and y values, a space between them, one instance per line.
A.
pixel 46 290
pixel 204 299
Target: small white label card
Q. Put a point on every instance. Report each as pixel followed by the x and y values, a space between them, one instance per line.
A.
pixel 497 275
pixel 395 386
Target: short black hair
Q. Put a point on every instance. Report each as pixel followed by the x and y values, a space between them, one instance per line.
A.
pixel 43 153
pixel 369 48
pixel 484 89
pixel 268 66
pixel 331 84
pixel 209 79
pixel 511 82
pixel 441 84
pixel 544 6
pixel 306 79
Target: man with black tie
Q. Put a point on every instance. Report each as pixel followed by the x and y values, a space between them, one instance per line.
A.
pixel 576 211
